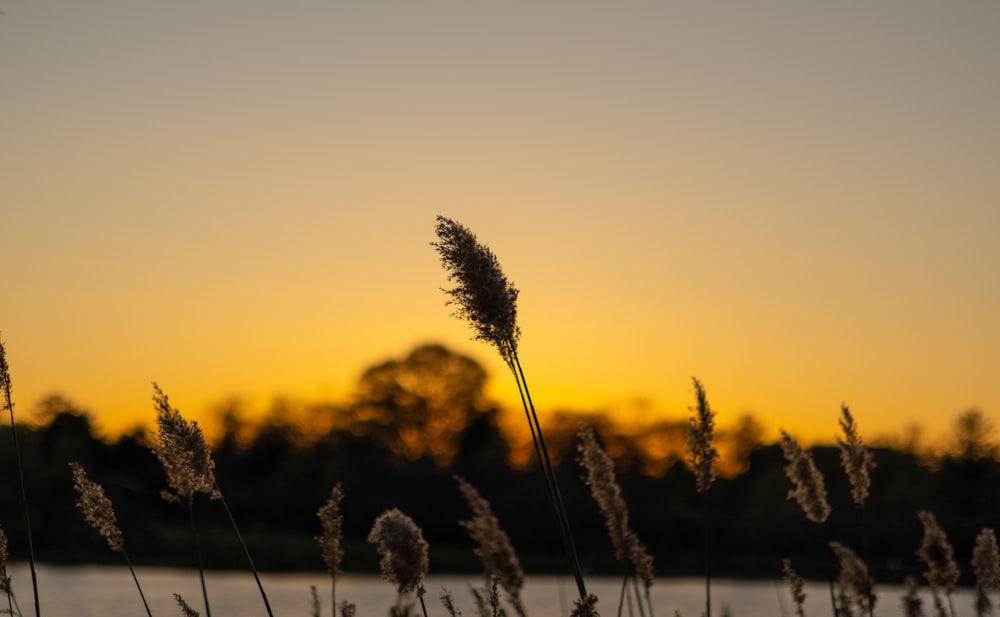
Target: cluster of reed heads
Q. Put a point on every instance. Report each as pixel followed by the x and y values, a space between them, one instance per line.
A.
pixel 482 295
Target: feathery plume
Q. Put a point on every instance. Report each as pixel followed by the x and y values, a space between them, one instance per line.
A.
pixel 936 551
pixel 483 295
pixel 403 549
pixel 493 596
pixel 606 492
pixel 332 522
pixel 986 564
pixel 5 384
pixel 187 610
pixel 97 508
pixel 8 404
pixel 585 608
pixel 855 458
pixel 854 581
pixel 494 550
pixel 348 609
pixel 181 449
pixel 699 440
pixel 449 603
pixel 809 489
pixel 313 601
pixel 796 585
pixel 912 604
pixel 4 579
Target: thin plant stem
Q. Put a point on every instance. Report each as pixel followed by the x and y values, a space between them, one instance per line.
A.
pixel 422 605
pixel 542 451
pixel 197 552
pixel 708 557
pixel 137 585
pixel 333 593
pixel 24 498
pixel 638 598
pixel 246 551
pixel 621 598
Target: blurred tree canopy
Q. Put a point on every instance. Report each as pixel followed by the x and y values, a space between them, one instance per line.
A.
pixel 417 421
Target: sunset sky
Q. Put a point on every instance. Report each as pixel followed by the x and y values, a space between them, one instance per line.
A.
pixel 797 203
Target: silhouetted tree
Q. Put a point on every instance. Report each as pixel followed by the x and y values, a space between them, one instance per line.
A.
pixel 422 403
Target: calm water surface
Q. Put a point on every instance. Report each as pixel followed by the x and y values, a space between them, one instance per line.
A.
pixel 110 592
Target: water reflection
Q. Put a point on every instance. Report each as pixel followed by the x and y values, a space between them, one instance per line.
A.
pixel 110 592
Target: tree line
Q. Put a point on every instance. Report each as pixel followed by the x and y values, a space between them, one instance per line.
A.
pixel 421 420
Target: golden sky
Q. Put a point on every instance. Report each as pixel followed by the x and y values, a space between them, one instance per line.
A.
pixel 798 204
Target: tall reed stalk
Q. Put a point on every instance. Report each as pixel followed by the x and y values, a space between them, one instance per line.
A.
pixel 100 513
pixel 332 522
pixel 5 578
pixel 857 462
pixel 493 548
pixel 939 555
pixel 604 488
pixel 809 491
pixel 702 456
pixel 404 554
pixel 488 301
pixel 9 405
pixel 187 461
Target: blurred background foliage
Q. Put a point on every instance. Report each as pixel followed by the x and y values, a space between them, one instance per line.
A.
pixel 419 420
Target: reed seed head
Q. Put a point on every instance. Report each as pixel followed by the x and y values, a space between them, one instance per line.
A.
pixel 493 596
pixel 855 458
pixel 185 608
pixel 855 583
pixel 986 563
pixel 449 604
pixel 912 604
pixel 585 608
pixel 608 495
pixel 5 378
pixel 495 550
pixel 403 549
pixel 96 508
pixel 181 449
pixel 796 585
pixel 4 578
pixel 699 440
pixel 332 521
pixel 936 551
pixel 809 489
pixel 482 294
pixel 348 609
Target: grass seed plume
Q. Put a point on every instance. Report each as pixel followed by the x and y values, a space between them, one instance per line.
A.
pixel 403 550
pixel 493 545
pixel 809 490
pixel 856 459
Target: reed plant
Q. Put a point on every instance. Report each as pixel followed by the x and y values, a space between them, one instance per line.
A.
pixel 5 387
pixel 190 469
pixel 986 565
pixel 332 522
pixel 5 585
pixel 484 297
pixel 404 555
pixel 939 556
pixel 702 456
pixel 493 547
pixel 604 488
pixel 857 462
pixel 98 510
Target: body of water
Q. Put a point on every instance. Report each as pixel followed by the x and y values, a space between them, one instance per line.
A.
pixel 110 592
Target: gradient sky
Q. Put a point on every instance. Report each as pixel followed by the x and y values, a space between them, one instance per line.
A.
pixel 797 203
